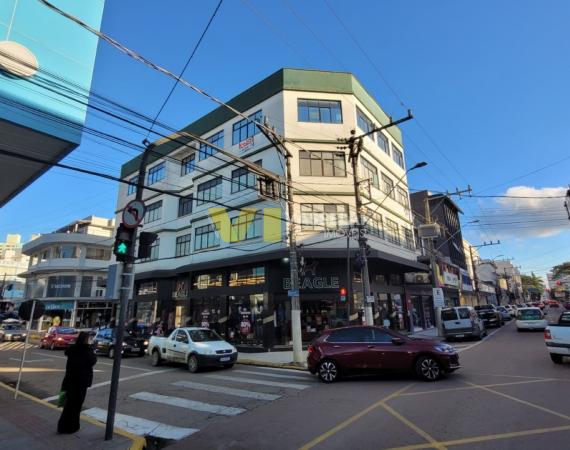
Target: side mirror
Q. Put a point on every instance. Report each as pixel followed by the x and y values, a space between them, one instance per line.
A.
pixel 397 341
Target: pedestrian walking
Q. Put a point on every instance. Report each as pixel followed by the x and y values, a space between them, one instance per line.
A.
pixel 78 377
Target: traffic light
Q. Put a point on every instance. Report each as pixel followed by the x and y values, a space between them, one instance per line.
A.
pixel 343 294
pixel 123 243
pixel 146 239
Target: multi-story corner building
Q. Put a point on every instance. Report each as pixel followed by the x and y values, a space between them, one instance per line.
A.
pixel 219 265
pixel 68 272
pixel 12 262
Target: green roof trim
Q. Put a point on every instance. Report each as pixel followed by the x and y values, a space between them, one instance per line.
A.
pixel 283 79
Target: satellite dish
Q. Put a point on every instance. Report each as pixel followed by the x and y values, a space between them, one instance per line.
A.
pixel 17 60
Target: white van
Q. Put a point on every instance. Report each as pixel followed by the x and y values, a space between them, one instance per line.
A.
pixel 462 322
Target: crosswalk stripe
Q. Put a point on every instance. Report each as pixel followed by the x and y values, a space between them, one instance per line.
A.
pixel 226 390
pixel 274 375
pixel 188 404
pixel 260 382
pixel 140 426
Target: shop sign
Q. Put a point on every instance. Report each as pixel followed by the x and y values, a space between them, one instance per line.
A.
pixel 369 299
pixel 314 283
pixel 466 281
pixel 61 286
pixel 447 275
pixel 486 288
pixel 55 306
pixel 246 144
pixel 438 298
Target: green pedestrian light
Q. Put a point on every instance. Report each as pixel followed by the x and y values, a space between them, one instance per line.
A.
pixel 122 248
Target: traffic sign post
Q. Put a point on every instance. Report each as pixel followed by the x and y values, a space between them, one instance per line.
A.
pixel 133 214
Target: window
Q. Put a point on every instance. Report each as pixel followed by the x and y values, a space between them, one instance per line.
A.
pixel 86 286
pixel 380 336
pixel 182 337
pixel 398 156
pixel 156 173
pixel 132 188
pixel 207 280
pixel 373 223
pixel 448 314
pixel 207 150
pixel 322 164
pixel 388 186
pixel 101 254
pixel 409 242
pixel 183 245
pixel 66 251
pixel 463 313
pixel 204 336
pixel 246 226
pixel 323 216
pixel 210 190
pixel 351 335
pixel 392 231
pixel 153 212
pixel 242 179
pixel 402 197
pixel 383 142
pixel 153 251
pixel 206 237
pixel 363 122
pixel 185 205
pixel 323 111
pixel 147 287
pixel 369 172
pixel 246 128
pixel 247 277
pixel 188 164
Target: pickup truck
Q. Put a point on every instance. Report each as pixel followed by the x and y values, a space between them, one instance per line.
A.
pixel 193 346
pixel 557 338
pixel 490 316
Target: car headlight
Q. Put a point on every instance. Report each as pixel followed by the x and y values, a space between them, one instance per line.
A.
pixel 209 351
pixel 145 343
pixel 124 344
pixel 444 348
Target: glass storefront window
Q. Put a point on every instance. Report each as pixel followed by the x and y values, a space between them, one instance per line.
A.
pixel 86 286
pixel 148 287
pixel 207 280
pixel 208 312
pixel 245 320
pixel 145 312
pixel 247 277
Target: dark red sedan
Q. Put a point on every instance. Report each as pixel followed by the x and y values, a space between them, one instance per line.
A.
pixel 59 337
pixel 347 350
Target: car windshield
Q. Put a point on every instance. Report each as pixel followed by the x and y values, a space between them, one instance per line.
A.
pixel 11 327
pixel 448 314
pixel 530 314
pixel 204 336
pixel 65 331
pixel 565 319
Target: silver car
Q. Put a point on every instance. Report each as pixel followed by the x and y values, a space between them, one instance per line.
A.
pixel 461 322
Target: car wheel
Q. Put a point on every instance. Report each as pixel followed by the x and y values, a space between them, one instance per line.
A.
pixel 427 368
pixel 155 359
pixel 328 371
pixel 228 366
pixel 193 364
pixel 52 346
pixel 557 359
pixel 111 352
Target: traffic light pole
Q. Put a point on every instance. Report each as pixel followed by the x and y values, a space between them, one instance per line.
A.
pixel 127 278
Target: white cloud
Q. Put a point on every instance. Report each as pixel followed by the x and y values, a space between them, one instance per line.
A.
pixel 525 217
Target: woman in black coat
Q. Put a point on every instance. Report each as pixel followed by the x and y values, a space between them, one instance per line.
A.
pixel 78 377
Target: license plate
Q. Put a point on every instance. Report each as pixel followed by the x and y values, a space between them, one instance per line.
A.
pixel 224 359
pixel 128 349
pixel 459 335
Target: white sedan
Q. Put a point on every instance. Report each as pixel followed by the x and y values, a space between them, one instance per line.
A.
pixel 530 319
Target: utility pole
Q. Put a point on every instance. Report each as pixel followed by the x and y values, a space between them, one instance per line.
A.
pixel 475 275
pixel 127 278
pixel 355 147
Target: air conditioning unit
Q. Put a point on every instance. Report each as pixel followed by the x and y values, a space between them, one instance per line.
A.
pixel 429 231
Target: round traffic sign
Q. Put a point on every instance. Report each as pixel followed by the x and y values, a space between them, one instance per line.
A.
pixel 133 214
pixel 25 310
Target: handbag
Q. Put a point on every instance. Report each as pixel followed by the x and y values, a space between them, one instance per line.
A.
pixel 62 396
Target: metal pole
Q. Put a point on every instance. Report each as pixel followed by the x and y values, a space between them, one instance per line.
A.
pixel 348 277
pixel 355 150
pixel 475 279
pixel 127 277
pixel 28 329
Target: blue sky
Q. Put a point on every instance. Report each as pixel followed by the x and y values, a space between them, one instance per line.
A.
pixel 487 81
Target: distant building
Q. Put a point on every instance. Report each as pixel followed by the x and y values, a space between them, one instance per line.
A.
pixel 513 282
pixel 68 272
pixel 12 262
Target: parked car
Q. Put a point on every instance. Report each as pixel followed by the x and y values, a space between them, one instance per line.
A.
pixel 104 343
pixel 530 319
pixel 58 337
pixel 12 330
pixel 505 314
pixel 557 338
pixel 196 347
pixel 567 306
pixel 490 316
pixel 462 322
pixel 342 351
pixel 512 310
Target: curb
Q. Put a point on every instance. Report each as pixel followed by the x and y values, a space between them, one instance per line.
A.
pixel 251 362
pixel 139 442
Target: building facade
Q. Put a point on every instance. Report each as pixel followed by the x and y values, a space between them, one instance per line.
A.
pixel 67 272
pixel 221 259
pixel 12 263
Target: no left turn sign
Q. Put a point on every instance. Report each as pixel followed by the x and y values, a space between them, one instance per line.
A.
pixel 133 214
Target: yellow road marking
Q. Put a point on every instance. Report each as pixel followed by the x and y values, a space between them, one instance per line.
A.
pixel 413 426
pixel 354 418
pixel 486 438
pixel 437 391
pixel 509 376
pixel 28 370
pixel 524 402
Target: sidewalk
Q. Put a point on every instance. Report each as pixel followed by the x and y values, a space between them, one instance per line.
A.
pixel 31 423
pixel 273 359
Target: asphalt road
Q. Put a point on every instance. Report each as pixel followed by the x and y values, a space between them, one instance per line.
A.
pixel 507 395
